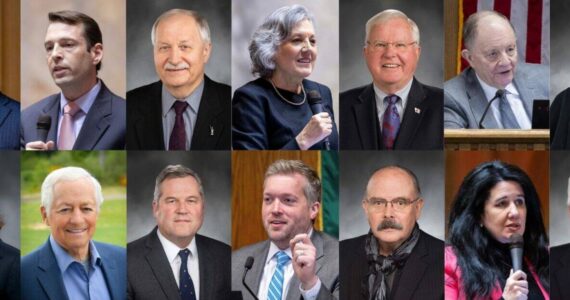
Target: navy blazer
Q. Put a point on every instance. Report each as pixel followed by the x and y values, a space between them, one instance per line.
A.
pixel 560 121
pixel 9 123
pixel 9 272
pixel 212 128
pixel 104 127
pixel 261 120
pixel 41 277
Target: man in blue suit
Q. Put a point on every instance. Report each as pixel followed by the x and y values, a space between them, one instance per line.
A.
pixel 9 122
pixel 86 115
pixel 70 265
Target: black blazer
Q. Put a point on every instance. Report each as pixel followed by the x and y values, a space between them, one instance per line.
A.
pixel 150 276
pixel 420 278
pixel 9 123
pixel 560 121
pixel 9 272
pixel 144 118
pixel 559 272
pixel 422 123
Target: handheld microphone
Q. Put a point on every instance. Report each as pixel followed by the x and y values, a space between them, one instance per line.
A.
pixel 498 95
pixel 516 244
pixel 247 266
pixel 43 126
pixel 316 103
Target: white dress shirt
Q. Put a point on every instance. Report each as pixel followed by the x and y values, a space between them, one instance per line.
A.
pixel 172 250
pixel 514 99
pixel 84 102
pixel 400 105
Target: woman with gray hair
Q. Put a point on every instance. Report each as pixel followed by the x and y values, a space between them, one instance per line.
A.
pixel 282 109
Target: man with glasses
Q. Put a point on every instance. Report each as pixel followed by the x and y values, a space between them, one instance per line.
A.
pixel 396 111
pixel 493 75
pixel 395 259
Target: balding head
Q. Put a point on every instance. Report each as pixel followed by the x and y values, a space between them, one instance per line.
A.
pixel 480 19
pixel 400 172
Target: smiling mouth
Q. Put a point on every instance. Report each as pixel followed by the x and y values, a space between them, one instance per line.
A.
pixel 76 231
pixel 390 66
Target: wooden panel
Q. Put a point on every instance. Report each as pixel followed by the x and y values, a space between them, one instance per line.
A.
pixel 10 48
pixel 248 168
pixel 451 20
pixel 496 139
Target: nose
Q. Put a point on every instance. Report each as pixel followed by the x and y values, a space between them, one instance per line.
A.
pixel 56 52
pixel 181 207
pixel 276 207
pixel 504 59
pixel 390 50
pixel 174 56
pixel 513 211
pixel 389 210
pixel 76 216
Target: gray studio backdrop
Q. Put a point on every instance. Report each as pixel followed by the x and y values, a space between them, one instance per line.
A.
pixel 213 167
pixel 10 197
pixel 247 15
pixel 356 167
pixel 559 217
pixel 140 18
pixel 559 44
pixel 428 15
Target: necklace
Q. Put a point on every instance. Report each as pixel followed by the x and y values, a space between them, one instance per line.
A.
pixel 285 99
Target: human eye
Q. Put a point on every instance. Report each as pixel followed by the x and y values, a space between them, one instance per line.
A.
pixel 401 203
pixel 492 55
pixel 289 200
pixel 380 46
pixel 379 202
pixel 501 203
pixel 511 50
pixel 63 210
pixel 266 199
pixel 400 46
pixel 520 201
pixel 163 48
pixel 184 47
pixel 313 41
pixel 87 209
pixel 48 47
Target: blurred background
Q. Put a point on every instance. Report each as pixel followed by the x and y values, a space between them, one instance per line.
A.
pixel 10 197
pixel 10 48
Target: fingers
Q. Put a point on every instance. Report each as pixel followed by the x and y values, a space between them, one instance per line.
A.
pixel 516 286
pixel 40 146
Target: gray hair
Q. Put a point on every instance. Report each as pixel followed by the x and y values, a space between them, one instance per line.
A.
pixel 68 174
pixel 271 33
pixel 470 26
pixel 175 171
pixel 312 189
pixel 390 14
pixel 202 23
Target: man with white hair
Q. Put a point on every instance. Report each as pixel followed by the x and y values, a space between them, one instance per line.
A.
pixel 560 266
pixel 185 109
pixel 70 265
pixel 396 111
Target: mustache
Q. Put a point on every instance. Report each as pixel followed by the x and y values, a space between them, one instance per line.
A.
pixel 389 224
pixel 180 66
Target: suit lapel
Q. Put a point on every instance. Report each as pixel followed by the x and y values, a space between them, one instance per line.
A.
pixel 366 118
pixel 49 275
pixel 96 122
pixel 206 133
pixel 526 89
pixel 253 278
pixel 414 268
pixel 478 100
pixel 207 280
pixel 414 112
pixel 160 266
pixel 52 109
pixel 148 122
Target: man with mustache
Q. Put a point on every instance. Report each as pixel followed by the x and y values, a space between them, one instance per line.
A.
pixel 395 260
pixel 297 262
pixel 185 109
pixel 491 50
pixel 86 115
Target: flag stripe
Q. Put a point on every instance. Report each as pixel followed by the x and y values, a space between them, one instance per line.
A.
pixel 519 16
pixel 534 31
pixel 504 7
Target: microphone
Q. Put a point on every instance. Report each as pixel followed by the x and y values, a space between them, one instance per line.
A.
pixel 516 245
pixel 498 95
pixel 43 126
pixel 247 267
pixel 316 103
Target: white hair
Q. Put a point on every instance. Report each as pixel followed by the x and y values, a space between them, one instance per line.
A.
pixel 390 14
pixel 68 174
pixel 201 21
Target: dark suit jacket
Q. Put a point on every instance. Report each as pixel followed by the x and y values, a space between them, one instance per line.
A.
pixel 9 122
pixel 144 118
pixel 420 278
pixel 326 268
pixel 41 277
pixel 150 275
pixel 560 272
pixel 103 129
pixel 421 127
pixel 9 272
pixel 560 121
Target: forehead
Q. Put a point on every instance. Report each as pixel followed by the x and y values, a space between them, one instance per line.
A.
pixel 178 184
pixel 76 191
pixel 304 26
pixel 396 28
pixel 391 183
pixel 178 25
pixel 58 30
pixel 291 183
pixel 493 30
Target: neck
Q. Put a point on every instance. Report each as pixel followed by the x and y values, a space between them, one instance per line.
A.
pixel 292 84
pixel 79 254
pixel 75 91
pixel 390 89
pixel 181 92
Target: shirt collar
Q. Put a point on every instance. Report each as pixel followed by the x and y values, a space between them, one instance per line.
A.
pixel 403 93
pixel 274 249
pixel 172 249
pixel 491 91
pixel 85 101
pixel 193 99
pixel 64 260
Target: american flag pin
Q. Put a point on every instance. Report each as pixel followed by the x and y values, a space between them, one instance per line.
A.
pixel 211 130
pixel 417 110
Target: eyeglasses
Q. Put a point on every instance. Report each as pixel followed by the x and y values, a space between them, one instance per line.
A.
pixel 379 46
pixel 397 204
pixel 495 54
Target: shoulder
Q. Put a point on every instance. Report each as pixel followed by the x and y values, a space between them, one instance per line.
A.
pixel 218 86
pixel 430 91
pixel 8 250
pixel 9 102
pixel 211 244
pixel 254 87
pixel 559 250
pixel 246 251
pixel 139 244
pixel 31 260
pixel 111 250
pixel 457 83
pixel 330 244
pixel 431 240
pixel 37 107
pixel 354 93
pixel 535 69
pixel 145 90
pixel 352 244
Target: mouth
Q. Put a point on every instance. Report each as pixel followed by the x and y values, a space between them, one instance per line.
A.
pixel 513 227
pixel 76 231
pixel 304 60
pixel 390 66
pixel 181 221
pixel 277 223
pixel 59 70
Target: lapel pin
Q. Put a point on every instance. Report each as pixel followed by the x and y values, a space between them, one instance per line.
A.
pixel 417 110
pixel 211 130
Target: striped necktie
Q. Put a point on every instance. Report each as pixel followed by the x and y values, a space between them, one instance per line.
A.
pixel 276 285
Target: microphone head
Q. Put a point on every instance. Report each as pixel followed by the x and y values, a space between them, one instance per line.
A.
pixel 248 262
pixel 44 122
pixel 516 241
pixel 314 97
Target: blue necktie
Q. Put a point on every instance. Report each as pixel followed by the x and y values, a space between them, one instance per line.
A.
pixel 390 122
pixel 276 284
pixel 507 116
pixel 186 284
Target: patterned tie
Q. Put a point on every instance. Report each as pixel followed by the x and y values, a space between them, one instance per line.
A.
pixel 276 283
pixel 507 115
pixel 186 285
pixel 66 132
pixel 178 136
pixel 390 122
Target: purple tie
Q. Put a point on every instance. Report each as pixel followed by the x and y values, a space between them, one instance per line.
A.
pixel 178 136
pixel 390 122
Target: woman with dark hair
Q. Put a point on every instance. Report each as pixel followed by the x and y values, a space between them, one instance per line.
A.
pixel 495 201
pixel 278 110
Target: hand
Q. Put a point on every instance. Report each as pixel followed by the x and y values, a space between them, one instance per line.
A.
pixel 304 257
pixel 40 146
pixel 319 127
pixel 516 287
